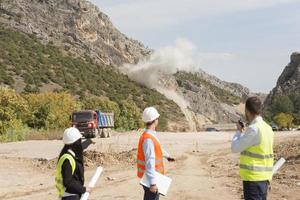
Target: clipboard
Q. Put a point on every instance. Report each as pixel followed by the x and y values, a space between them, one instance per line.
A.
pixel 163 183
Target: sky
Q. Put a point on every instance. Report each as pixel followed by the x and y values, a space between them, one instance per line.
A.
pixel 243 41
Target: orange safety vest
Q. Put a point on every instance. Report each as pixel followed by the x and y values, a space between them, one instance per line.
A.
pixel 141 164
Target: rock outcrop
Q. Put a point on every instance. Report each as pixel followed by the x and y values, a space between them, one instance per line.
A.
pixel 289 80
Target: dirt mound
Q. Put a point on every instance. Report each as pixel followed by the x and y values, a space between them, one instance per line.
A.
pixel 290 172
pixel 290 150
pixel 125 158
pixel 95 158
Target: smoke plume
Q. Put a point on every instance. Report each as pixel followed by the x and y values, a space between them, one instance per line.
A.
pixel 167 60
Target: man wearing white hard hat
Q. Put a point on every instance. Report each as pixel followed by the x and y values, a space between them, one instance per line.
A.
pixel 70 168
pixel 150 154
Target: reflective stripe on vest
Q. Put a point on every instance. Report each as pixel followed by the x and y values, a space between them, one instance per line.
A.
pixel 141 164
pixel 58 178
pixel 256 162
pixel 255 155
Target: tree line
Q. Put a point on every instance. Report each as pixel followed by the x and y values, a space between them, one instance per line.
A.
pixel 284 111
pixel 52 110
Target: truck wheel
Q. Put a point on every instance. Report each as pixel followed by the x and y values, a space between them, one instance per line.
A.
pixel 93 134
pixel 102 134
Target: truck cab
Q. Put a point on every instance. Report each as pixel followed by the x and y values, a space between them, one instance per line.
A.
pixel 86 122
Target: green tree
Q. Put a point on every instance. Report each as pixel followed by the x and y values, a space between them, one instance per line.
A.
pixel 130 116
pixel 297 119
pixel 282 104
pixel 295 98
pixel 284 120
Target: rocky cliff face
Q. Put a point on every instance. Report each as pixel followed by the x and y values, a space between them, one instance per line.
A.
pixel 78 27
pixel 289 80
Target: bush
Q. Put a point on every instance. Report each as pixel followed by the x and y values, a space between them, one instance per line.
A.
pixel 284 120
pixel 50 110
pixel 13 110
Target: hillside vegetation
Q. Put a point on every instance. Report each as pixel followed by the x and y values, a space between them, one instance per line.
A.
pixel 284 111
pixel 29 66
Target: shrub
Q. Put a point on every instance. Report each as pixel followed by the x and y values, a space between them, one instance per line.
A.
pixel 50 110
pixel 13 109
pixel 284 120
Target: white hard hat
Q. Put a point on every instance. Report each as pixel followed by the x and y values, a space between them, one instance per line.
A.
pixel 150 114
pixel 71 135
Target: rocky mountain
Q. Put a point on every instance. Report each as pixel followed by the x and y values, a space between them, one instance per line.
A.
pixel 289 81
pixel 70 45
pixel 77 27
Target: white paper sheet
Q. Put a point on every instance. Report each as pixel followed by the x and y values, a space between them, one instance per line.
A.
pixel 92 182
pixel 163 183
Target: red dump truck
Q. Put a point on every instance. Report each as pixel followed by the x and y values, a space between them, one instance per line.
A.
pixel 93 122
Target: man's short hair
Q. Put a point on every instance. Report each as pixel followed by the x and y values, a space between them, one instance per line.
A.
pixel 254 105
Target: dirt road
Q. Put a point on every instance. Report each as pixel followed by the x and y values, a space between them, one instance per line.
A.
pixel 205 168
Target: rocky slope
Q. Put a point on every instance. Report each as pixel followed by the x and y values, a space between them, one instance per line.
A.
pixel 289 81
pixel 203 98
pixel 78 27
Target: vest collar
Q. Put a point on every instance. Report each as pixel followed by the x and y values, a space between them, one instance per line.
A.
pixel 153 133
pixel 256 120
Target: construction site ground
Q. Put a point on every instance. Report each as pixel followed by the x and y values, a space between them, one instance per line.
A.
pixel 205 167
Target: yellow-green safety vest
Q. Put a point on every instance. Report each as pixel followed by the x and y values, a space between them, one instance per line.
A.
pixel 256 162
pixel 60 188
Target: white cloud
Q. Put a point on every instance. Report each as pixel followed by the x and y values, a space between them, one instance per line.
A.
pixel 153 14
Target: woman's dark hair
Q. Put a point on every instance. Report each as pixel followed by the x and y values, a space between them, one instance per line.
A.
pixel 150 123
pixel 254 105
pixel 76 147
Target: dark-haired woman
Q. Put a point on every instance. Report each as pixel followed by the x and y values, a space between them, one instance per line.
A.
pixel 70 168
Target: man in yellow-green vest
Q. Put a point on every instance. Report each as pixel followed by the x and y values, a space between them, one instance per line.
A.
pixel 255 145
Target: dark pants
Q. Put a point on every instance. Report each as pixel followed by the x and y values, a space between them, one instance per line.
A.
pixel 75 197
pixel 150 195
pixel 255 190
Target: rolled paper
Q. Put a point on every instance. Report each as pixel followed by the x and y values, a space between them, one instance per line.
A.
pixel 278 165
pixel 92 182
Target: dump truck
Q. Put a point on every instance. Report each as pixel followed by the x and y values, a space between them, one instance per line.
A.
pixel 93 122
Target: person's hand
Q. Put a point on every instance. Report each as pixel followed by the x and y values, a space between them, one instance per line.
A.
pixel 153 189
pixel 171 159
pixel 89 189
pixel 239 127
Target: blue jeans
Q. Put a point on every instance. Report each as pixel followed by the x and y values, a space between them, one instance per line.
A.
pixel 150 195
pixel 255 190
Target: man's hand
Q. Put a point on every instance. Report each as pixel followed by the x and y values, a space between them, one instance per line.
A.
pixel 171 159
pixel 153 189
pixel 239 127
pixel 89 189
pixel 93 141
